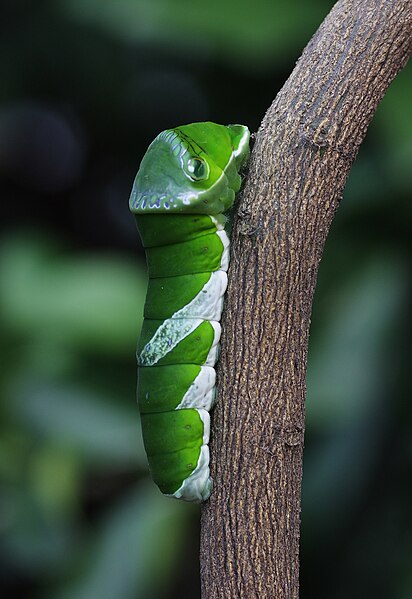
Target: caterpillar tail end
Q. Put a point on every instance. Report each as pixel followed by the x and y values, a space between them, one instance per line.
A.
pixel 198 486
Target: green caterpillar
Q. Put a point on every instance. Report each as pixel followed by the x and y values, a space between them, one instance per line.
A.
pixel 187 179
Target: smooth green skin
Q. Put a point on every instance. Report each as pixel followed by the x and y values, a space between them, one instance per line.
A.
pixel 161 388
pixel 178 434
pixel 165 229
pixel 167 295
pixel 165 183
pixel 170 470
pixel 193 349
pixel 202 254
pixel 166 432
pixel 172 202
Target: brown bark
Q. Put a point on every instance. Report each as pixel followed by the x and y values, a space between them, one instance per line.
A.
pixel 304 150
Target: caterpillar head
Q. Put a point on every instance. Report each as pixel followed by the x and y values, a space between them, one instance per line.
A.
pixel 191 169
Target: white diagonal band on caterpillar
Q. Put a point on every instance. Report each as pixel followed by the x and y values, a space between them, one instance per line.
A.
pixel 202 392
pixel 206 305
pixel 170 333
pixel 224 261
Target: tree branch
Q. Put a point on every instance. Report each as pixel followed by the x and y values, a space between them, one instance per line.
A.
pixel 304 150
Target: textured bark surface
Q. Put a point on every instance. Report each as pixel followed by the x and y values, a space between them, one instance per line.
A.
pixel 304 150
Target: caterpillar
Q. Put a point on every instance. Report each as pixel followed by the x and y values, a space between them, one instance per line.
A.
pixel 187 180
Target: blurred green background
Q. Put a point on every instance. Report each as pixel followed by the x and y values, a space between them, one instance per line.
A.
pixel 84 87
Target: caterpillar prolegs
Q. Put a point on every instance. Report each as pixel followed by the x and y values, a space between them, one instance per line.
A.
pixel 187 179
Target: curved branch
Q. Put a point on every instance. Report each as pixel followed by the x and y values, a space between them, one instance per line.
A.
pixel 304 150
